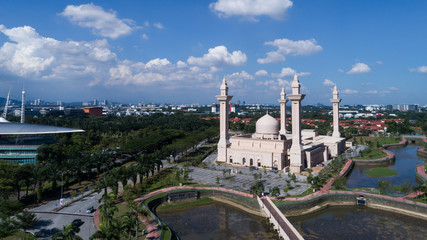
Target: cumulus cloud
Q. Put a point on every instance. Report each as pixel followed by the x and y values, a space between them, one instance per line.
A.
pixel 103 23
pixel 261 73
pixel 420 69
pixel 218 57
pixel 289 47
pixel 30 55
pixel 328 82
pixel 288 72
pixel 27 54
pixel 359 68
pixel 349 91
pixel 144 36
pixel 158 25
pixel 238 79
pixel 250 9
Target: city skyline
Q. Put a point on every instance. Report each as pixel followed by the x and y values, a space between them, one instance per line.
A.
pixel 178 52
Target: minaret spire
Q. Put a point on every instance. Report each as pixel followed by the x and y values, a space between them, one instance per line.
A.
pixel 335 108
pixel 224 142
pixel 23 107
pixel 6 105
pixel 296 153
pixel 282 102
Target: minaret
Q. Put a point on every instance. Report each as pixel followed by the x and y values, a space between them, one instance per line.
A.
pixel 335 102
pixel 296 152
pixel 223 122
pixel 282 102
pixel 23 107
pixel 6 105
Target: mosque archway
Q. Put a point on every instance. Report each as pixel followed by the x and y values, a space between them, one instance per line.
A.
pixel 231 159
pixel 251 162
pixel 244 161
pixel 259 163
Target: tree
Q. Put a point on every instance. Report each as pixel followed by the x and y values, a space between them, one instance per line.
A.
pixel 68 233
pixel 384 185
pixel 257 188
pixel 275 191
pixel 26 220
pixel 108 208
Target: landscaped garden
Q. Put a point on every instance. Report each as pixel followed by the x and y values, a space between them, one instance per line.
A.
pixel 380 172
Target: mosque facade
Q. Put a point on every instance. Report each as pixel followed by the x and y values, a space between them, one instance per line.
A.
pixel 271 146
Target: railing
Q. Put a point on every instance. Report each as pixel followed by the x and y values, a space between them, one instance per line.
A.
pixel 155 218
pixel 285 228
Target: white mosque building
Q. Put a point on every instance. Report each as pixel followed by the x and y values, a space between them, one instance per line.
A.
pixel 273 148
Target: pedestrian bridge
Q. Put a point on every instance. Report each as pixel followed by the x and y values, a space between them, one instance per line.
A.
pixel 279 221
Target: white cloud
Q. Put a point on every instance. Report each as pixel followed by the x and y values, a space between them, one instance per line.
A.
pixel 420 69
pixel 289 47
pixel 103 23
pixel 261 73
pixel 340 70
pixel 393 88
pixel 250 9
pixel 379 63
pixel 328 82
pixel 288 72
pixel 358 68
pixel 158 25
pixel 30 55
pixel 144 36
pixel 366 84
pixel 349 91
pixel 238 79
pixel 37 58
pixel 372 92
pixel 218 57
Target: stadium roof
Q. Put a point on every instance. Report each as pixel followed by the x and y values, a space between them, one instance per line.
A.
pixel 14 128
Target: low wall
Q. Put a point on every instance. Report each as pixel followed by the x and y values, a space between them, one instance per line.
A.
pixel 420 174
pixel 296 208
pixel 422 152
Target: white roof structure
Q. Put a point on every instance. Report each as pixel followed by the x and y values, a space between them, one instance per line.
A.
pixel 14 128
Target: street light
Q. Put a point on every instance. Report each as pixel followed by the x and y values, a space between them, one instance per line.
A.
pixel 61 201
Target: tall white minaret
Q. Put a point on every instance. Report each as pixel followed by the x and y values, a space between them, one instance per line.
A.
pixel 6 106
pixel 23 107
pixel 296 152
pixel 335 107
pixel 282 102
pixel 223 99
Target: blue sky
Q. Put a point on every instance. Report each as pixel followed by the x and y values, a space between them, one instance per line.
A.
pixel 179 51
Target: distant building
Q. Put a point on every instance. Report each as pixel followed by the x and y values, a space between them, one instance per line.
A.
pixel 93 111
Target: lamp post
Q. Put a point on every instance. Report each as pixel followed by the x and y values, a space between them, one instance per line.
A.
pixel 61 201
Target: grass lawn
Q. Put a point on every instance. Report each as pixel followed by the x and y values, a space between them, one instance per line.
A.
pixel 183 204
pixel 380 172
pixel 372 153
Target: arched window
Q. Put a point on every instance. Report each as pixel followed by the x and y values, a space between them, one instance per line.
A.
pixel 244 161
pixel 251 162
pixel 259 163
pixel 231 159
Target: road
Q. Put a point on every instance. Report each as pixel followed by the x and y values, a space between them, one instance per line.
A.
pixel 52 222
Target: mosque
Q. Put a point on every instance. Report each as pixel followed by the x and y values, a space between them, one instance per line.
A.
pixel 278 149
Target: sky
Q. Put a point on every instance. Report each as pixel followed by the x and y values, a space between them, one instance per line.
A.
pixel 168 51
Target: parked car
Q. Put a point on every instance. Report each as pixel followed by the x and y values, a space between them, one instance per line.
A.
pixel 77 222
pixel 89 209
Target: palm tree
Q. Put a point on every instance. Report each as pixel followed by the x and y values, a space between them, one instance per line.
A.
pixel 107 209
pixel 68 233
pixel 128 223
pixel 108 232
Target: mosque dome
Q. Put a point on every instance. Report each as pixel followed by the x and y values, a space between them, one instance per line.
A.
pixel 267 125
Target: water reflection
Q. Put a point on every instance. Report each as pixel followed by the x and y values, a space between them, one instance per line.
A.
pixel 405 163
pixel 352 222
pixel 217 221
